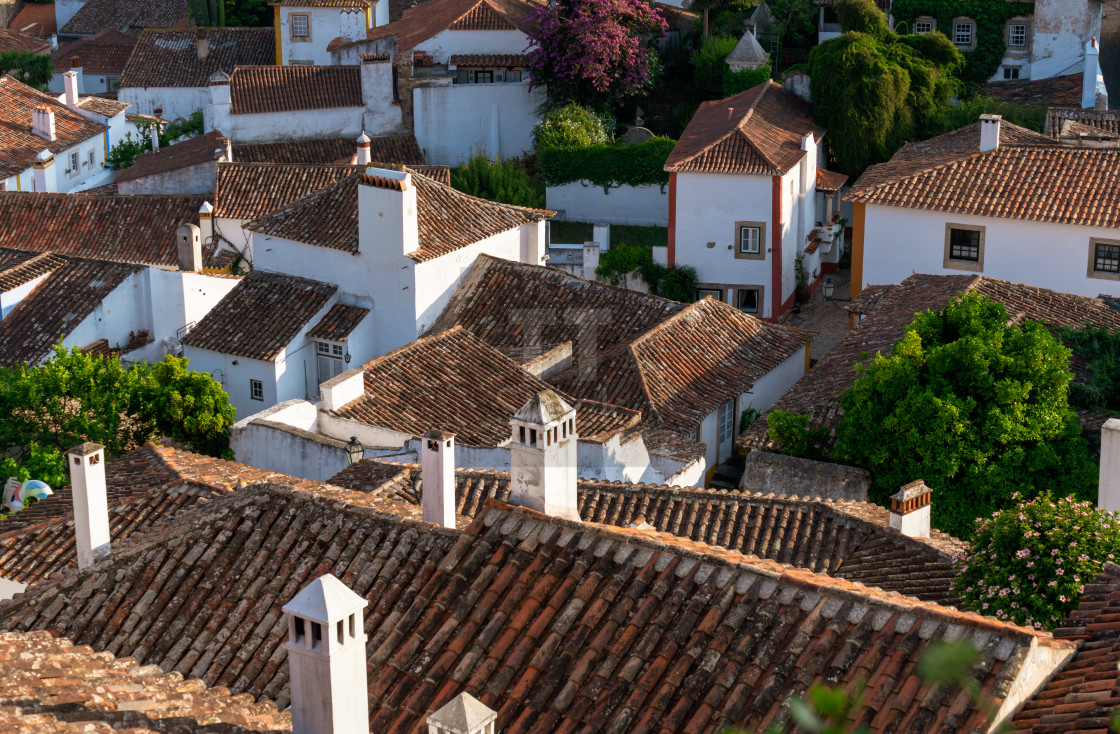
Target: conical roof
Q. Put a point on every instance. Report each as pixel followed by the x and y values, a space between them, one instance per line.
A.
pixel 326 600
pixel 544 407
pixel 747 51
pixel 463 714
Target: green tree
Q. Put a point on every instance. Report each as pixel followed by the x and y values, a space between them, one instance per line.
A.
pixel 208 12
pixel 248 13
pixel 712 78
pixel 976 407
pixel 1101 349
pixel 871 88
pixel 32 69
pixel 189 406
pixel 125 153
pixel 503 180
pixel 794 438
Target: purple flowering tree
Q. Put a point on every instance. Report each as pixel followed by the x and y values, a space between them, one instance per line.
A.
pixel 594 52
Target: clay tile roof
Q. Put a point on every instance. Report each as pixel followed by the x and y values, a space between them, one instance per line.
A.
pixel 830 181
pixel 890 309
pixel 126 229
pixel 102 690
pixel 1057 91
pixel 1107 121
pixel 322 3
pixel 456 383
pixel 756 131
pixel 338 323
pixel 509 61
pixel 201 149
pixel 103 106
pixel 36 19
pixel 169 58
pixel 21 266
pixel 671 362
pixel 128 16
pixel 106 52
pixel 260 316
pixel 401 149
pixel 449 220
pixel 18 144
pixel 57 305
pixel 11 40
pixel 249 190
pixel 259 89
pixel 424 21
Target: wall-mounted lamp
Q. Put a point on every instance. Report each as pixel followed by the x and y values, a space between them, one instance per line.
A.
pixel 828 287
pixel 354 451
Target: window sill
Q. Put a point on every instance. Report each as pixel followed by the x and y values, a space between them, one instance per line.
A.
pixel 1098 275
pixel 967 265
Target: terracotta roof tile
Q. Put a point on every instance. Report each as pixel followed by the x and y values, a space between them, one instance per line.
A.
pixel 401 149
pixel 129 16
pixel 102 106
pixel 19 145
pixel 322 3
pixel 21 266
pixel 1058 91
pixel 509 61
pixel 830 181
pixel 338 323
pixel 260 316
pixel 127 229
pixel 206 148
pixel 106 52
pixel 259 89
pixel 250 190
pixel 36 19
pixel 423 21
pixel 169 58
pixel 756 131
pixel 1107 121
pixel 11 40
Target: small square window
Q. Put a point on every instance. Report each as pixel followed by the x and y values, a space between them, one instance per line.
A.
pixel 1017 35
pixel 962 34
pixel 301 26
pixel 715 293
pixel 256 389
pixel 923 26
pixel 964 244
pixel 1011 72
pixel 336 350
pixel 323 347
pixel 747 299
pixel 484 77
pixel 1107 258
pixel 750 240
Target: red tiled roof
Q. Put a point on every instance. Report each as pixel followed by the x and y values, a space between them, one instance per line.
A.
pixel 36 19
pixel 509 61
pixel 169 58
pixel 260 316
pixel 11 40
pixel 322 3
pixel 250 190
pixel 402 149
pixel 1106 121
pixel 129 16
pixel 206 148
pixel 422 22
pixel 104 53
pixel 259 89
pixel 20 266
pixel 756 131
pixel 102 106
pixel 1057 91
pixel 18 144
pixel 338 323
pixel 830 181
pixel 126 229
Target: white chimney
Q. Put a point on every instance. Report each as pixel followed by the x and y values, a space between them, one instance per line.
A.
pixel 1108 497
pixel 218 111
pixel 590 259
pixel 343 388
pixel 910 510
pixel 42 123
pixel 989 131
pixel 72 82
pixel 437 472
pixel 206 222
pixel 463 714
pixel 543 457
pixel 1092 82
pixel 154 132
pixel 189 240
pixel 327 659
pixel 387 212
pixel 203 45
pixel 91 502
pixel 363 150
pixel 534 246
pixel 44 172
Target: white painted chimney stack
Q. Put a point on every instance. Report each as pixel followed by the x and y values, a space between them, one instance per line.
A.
pixel 989 131
pixel 45 175
pixel 42 123
pixel 590 259
pixel 203 46
pixel 91 502
pixel 463 714
pixel 437 472
pixel 189 240
pixel 154 132
pixel 206 222
pixel 1108 497
pixel 72 83
pixel 387 212
pixel 543 457
pixel 363 156
pixel 327 659
pixel 910 510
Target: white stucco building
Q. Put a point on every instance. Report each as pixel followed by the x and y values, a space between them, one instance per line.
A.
pixel 996 199
pixel 748 195
pixel 100 62
pixel 304 27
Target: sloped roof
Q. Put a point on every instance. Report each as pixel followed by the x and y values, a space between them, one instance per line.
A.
pixel 422 22
pixel 250 190
pixel 401 149
pixel 1107 121
pixel 260 89
pixel 322 3
pixel 19 145
pixel 260 316
pixel 12 40
pixel 106 52
pixel 756 131
pixel 36 19
pixel 338 323
pixel 830 181
pixel 126 229
pixel 169 58
pixel 21 266
pixel 1058 91
pixel 748 51
pixel 103 106
pixel 129 16
pixel 206 148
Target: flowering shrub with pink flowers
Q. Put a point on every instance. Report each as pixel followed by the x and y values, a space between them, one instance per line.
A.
pixel 1029 564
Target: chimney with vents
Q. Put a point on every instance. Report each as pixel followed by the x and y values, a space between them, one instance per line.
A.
pixel 91 502
pixel 437 473
pixel 1108 497
pixel 203 45
pixel 189 240
pixel 989 131
pixel 72 82
pixel 910 509
pixel 387 213
pixel 218 112
pixel 327 659
pixel 363 156
pixel 45 180
pixel 543 457
pixel 463 714
pixel 42 123
pixel 206 222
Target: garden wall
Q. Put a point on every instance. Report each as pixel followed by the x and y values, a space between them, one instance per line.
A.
pixel 638 205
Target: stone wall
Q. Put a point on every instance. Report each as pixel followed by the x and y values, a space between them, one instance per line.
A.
pixel 766 472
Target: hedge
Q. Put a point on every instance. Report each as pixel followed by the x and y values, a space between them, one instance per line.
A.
pixel 608 166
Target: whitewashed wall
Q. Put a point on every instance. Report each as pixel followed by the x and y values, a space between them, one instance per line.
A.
pixel 198 179
pixel 640 205
pixel 1059 31
pixel 452 121
pixel 174 101
pixel 442 45
pixel 127 308
pixel 234 378
pixel 64 10
pixel 10 299
pixel 336 122
pixel 327 23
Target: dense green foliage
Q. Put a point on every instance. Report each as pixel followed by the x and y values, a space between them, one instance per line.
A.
pixel 572 126
pixel 991 34
pixel 125 153
pixel 34 70
pixel 713 78
pixel 793 436
pixel 47 464
pixel 1100 348
pixel 677 283
pixel 1029 564
pixel 871 88
pixel 976 407
pixel 248 13
pixel 208 12
pixel 76 397
pixel 968 111
pixel 503 180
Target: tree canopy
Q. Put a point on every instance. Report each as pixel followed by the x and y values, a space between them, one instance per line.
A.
pixel 713 78
pixel 32 69
pixel 976 407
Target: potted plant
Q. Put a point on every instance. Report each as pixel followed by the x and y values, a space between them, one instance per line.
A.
pixel 142 337
pixel 804 293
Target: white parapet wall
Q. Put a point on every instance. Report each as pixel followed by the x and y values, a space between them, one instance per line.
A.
pixel 638 205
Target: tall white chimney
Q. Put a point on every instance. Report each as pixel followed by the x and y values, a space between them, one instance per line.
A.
pixel 45 175
pixel 463 714
pixel 590 259
pixel 543 457
pixel 42 123
pixel 1108 497
pixel 363 156
pixel 188 238
pixel 91 502
pixel 327 659
pixel 1092 82
pixel 203 45
pixel 72 83
pixel 206 222
pixel 387 213
pixel 218 111
pixel 910 510
pixel 989 131
pixel 154 132
pixel 437 472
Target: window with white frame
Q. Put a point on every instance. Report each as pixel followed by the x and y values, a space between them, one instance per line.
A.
pixel 923 26
pixel 75 163
pixel 726 421
pixel 92 158
pixel 256 389
pixel 1011 72
pixel 750 240
pixel 747 299
pixel 716 293
pixel 1017 35
pixel 1104 259
pixel 301 26
pixel 962 33
pixel 331 360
